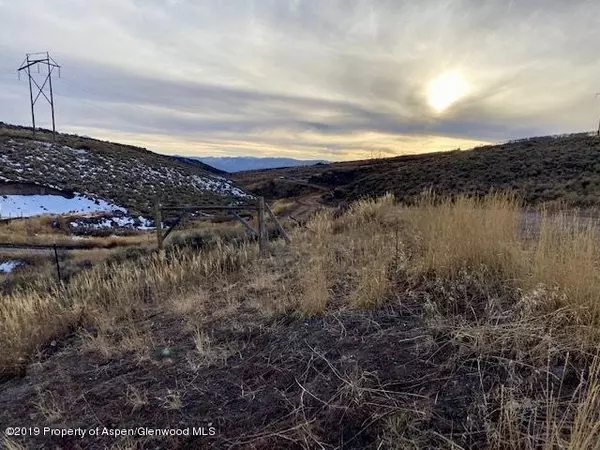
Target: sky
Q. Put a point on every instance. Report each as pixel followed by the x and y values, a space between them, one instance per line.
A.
pixel 327 79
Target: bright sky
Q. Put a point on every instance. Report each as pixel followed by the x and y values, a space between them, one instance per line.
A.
pixel 332 79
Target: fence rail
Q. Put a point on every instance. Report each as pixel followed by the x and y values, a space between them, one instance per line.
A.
pixel 260 206
pixel 53 247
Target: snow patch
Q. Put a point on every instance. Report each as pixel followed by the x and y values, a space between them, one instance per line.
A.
pixel 37 205
pixel 9 266
pixel 219 185
pixel 118 221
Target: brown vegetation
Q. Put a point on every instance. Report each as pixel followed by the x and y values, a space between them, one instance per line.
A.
pixel 389 327
pixel 47 230
pixel 543 169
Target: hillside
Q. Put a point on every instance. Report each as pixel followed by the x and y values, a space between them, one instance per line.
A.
pixel 541 169
pixel 240 163
pixel 123 175
pixel 198 163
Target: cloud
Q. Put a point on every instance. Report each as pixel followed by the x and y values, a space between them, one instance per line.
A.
pixel 336 79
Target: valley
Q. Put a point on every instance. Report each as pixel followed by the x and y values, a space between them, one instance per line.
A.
pixel 541 170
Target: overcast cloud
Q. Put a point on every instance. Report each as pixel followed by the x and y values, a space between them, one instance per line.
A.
pixel 334 79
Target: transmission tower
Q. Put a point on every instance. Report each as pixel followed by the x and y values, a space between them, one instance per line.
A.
pixel 42 59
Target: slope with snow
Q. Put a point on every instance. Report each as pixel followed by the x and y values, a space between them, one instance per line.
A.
pixel 122 175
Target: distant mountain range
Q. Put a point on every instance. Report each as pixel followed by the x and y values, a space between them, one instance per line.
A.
pixel 240 163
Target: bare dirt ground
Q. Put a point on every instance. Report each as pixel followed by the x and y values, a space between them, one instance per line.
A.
pixel 303 208
pixel 331 382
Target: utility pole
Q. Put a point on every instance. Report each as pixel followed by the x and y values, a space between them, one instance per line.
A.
pixel 40 59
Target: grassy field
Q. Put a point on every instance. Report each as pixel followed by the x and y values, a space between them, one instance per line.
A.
pixel 389 327
pixel 544 169
pixel 80 253
pixel 39 230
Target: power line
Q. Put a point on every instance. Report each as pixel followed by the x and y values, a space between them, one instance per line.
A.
pixel 37 60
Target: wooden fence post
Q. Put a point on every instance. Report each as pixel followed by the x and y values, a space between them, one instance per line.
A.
pixel 247 226
pixel 281 230
pixel 158 225
pixel 262 230
pixel 57 264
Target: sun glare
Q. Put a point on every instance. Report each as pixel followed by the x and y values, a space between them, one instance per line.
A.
pixel 445 90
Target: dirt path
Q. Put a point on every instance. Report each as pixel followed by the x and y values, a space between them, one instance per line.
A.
pixel 304 207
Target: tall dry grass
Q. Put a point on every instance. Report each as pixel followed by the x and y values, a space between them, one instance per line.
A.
pixel 540 295
pixel 347 260
pixel 106 296
pixel 486 236
pixel 39 231
pixel 567 256
pixel 468 232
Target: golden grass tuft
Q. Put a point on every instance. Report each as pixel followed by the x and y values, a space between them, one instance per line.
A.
pixel 567 256
pixel 314 288
pixel 467 232
pixel 370 211
pixel 281 206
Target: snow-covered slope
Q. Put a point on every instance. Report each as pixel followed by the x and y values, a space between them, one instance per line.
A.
pixel 35 205
pixel 130 177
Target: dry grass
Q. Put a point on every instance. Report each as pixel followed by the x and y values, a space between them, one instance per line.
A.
pixel 567 256
pixel 191 303
pixel 10 444
pixel 172 400
pixel 483 236
pixel 281 206
pixel 113 337
pixel 467 232
pixel 39 231
pixel 314 288
pixel 207 352
pixel 137 398
pixel 49 406
pixel 498 299
pixel 558 421
pixel 104 297
pixel 349 257
pixel 537 300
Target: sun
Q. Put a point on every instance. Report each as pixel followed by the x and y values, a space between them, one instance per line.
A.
pixel 445 90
